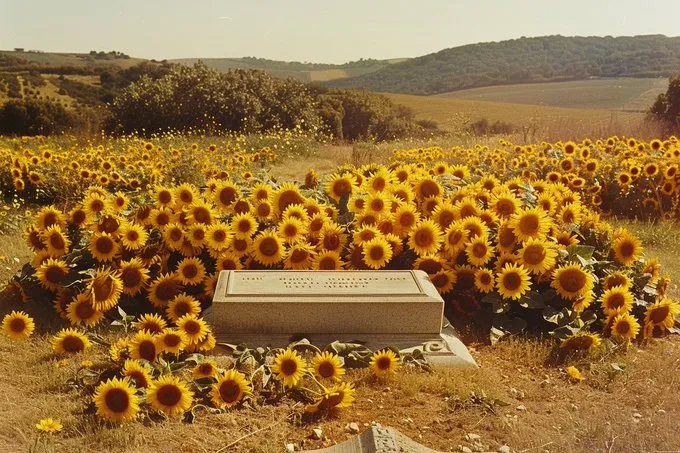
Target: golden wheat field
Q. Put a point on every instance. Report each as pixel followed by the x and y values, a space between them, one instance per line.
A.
pixel 560 255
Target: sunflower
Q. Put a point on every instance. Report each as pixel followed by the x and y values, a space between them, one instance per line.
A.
pixel 384 362
pixel 230 388
pixel 70 341
pixel 218 236
pixel 204 346
pixel 163 290
pixel 574 374
pixel 377 253
pixel 530 223
pixel 194 327
pixel 103 247
pixel 200 212
pixel 340 185
pixel 169 395
pixel 172 341
pixel 133 275
pixel 173 236
pixel 205 369
pixel 143 346
pixel 267 248
pixel 244 225
pixel 116 400
pixel 425 238
pixel 133 236
pixel 49 425
pixel 285 196
pixel 51 273
pixel 151 323
pixel 443 281
pixel 190 271
pixel 299 256
pixel 56 241
pixel 289 367
pixel 474 226
pixel 18 325
pixel 228 261
pixel 182 305
pixel 225 195
pixel 479 251
pixel 662 313
pixel 137 372
pixel 627 248
pixel 164 197
pixel 581 342
pixel 484 281
pixel 327 260
pixel 336 397
pixel 537 256
pixel 185 194
pixel 48 216
pixel 513 281
pixel 624 325
pixel 505 204
pixel 616 299
pixel 263 211
pixel 328 365
pixel 455 238
pixel 105 288
pixel 81 311
pixel 572 281
pixel 332 237
pixel 291 230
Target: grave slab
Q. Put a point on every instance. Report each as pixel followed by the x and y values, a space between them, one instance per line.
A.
pixel 375 308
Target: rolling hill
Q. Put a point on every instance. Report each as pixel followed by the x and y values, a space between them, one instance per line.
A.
pixel 305 72
pixel 525 60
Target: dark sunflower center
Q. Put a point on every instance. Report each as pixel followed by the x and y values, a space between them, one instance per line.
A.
pixel 229 391
pixel 171 340
pixel 299 256
pixel 219 235
pixel 331 242
pixel 84 310
pixel 423 238
pixel 376 253
pixel 383 363
pixel 407 219
pixel 181 309
pixel 139 378
pixel 147 350
pixel 528 224
pixel 326 369
pixel 512 281
pixel 627 249
pixel 622 327
pixel 269 247
pixel 429 189
pixel 440 281
pixel 288 367
pixel 227 196
pixel 166 290
pixel 176 235
pixel 17 325
pixel 73 343
pixel 192 327
pixel 190 271
pixel 244 226
pixel 342 187
pixel 327 264
pixel 202 215
pixel 572 281
pixel 534 254
pixel 57 241
pixel 103 288
pixel 104 245
pixel 117 400
pixel 479 250
pixel 131 277
pixel 659 314
pixel 54 274
pixel 169 395
pixel 616 300
pixel 132 235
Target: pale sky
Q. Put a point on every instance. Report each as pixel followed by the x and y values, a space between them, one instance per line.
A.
pixel 318 31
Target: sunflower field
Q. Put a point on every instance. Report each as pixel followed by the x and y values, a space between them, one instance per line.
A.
pixel 514 238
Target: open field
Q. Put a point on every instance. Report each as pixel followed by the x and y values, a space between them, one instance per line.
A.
pixel 627 94
pixel 455 115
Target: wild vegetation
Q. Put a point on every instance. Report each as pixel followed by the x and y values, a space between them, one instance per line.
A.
pixel 525 60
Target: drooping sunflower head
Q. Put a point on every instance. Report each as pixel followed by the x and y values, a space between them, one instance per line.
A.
pixel 81 311
pixel 143 346
pixel 138 372
pixel 581 342
pixel 205 369
pixel 52 272
pixel 336 397
pixel 163 290
pixel 105 288
pixel 662 313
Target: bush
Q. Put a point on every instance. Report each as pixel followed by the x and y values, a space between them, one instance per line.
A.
pixel 31 117
pixel 483 127
pixel 666 108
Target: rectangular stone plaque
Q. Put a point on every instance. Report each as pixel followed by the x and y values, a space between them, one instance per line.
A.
pixel 326 302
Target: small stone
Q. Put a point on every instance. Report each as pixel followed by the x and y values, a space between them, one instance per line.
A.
pixel 474 438
pixel 317 433
pixel 290 448
pixel 661 411
pixel 408 420
pixel 353 428
pixel 503 449
pixel 637 415
pixel 465 449
pixel 574 407
pixel 521 408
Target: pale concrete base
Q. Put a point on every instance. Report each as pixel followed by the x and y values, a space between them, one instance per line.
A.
pixel 378 440
pixel 443 349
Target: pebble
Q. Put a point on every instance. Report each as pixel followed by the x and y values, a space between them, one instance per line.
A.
pixel 353 428
pixel 574 407
pixel 661 411
pixel 473 437
pixel 290 448
pixel 465 449
pixel 317 433
pixel 637 415
pixel 504 449
pixel 521 408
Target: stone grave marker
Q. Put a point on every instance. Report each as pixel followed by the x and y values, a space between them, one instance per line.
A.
pixel 375 308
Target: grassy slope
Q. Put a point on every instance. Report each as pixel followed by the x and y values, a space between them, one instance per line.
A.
pixel 71 59
pixel 608 94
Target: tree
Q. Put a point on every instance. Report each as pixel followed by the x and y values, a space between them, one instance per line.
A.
pixel 666 108
pixel 31 117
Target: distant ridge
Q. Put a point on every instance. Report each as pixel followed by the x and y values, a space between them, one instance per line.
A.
pixel 525 60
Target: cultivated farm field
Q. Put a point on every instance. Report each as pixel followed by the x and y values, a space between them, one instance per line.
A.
pixel 562 289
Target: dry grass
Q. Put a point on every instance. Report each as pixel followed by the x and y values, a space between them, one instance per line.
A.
pixel 633 410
